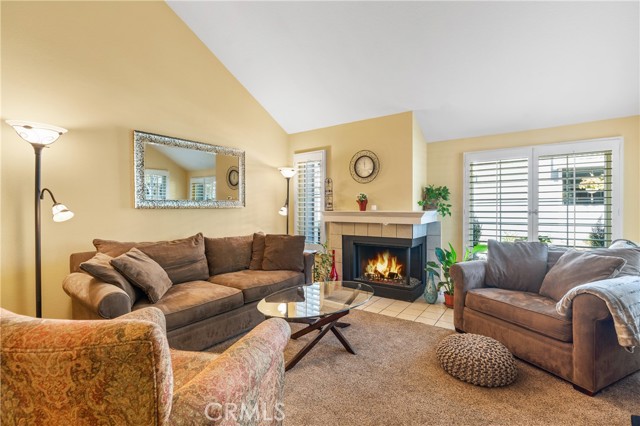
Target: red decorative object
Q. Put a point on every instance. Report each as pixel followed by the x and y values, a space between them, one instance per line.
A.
pixel 448 300
pixel 333 276
pixel 362 204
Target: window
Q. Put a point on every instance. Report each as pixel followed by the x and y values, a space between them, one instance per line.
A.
pixel 202 188
pixel 156 184
pixel 562 194
pixel 308 190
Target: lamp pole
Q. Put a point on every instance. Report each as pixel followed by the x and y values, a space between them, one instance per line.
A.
pixel 287 204
pixel 38 151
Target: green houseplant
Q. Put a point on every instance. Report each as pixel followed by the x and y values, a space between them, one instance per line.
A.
pixel 435 198
pixel 446 259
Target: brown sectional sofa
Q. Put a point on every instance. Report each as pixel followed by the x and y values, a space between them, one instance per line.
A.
pixel 238 272
pixel 582 349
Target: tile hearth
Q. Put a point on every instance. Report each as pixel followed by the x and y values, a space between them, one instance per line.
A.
pixel 417 311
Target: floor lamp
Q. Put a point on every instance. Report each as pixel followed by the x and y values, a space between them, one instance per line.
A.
pixel 40 136
pixel 288 173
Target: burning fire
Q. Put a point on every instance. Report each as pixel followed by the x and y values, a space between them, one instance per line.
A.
pixel 384 266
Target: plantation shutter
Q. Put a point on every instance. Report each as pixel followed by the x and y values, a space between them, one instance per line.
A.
pixel 498 199
pixel 203 188
pixel 309 195
pixel 561 194
pixel 575 199
pixel 156 184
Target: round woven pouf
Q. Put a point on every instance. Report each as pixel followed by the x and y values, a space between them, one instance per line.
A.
pixel 476 359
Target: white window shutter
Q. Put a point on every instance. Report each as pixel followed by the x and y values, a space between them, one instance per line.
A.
pixel 309 195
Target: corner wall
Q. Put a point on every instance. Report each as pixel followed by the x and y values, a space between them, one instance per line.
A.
pixel 101 70
pixel 389 137
pixel 445 165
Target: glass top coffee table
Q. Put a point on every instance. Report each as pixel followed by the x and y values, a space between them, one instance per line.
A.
pixel 320 305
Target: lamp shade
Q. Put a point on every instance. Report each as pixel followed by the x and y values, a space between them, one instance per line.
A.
pixel 61 213
pixel 287 172
pixel 36 133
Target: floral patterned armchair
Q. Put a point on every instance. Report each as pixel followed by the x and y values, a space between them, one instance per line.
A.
pixel 122 372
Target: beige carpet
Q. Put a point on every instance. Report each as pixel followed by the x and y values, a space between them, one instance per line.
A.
pixel 395 379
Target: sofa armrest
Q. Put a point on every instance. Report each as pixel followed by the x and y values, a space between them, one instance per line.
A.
pixel 95 299
pixel 594 343
pixel 150 314
pixel 247 376
pixel 309 262
pixel 466 276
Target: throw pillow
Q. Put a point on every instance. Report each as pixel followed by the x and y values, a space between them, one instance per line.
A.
pixel 516 266
pixel 99 267
pixel 283 252
pixel 575 268
pixel 183 259
pixel 143 272
pixel 631 255
pixel 553 254
pixel 257 251
pixel 228 254
pixel 114 248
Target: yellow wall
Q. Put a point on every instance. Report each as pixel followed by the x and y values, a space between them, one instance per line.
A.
pixel 419 164
pixel 390 138
pixel 445 165
pixel 101 70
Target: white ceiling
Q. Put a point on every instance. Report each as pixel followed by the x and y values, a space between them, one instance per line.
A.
pixel 466 68
pixel 189 159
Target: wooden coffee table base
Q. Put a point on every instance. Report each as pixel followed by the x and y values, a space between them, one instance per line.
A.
pixel 324 325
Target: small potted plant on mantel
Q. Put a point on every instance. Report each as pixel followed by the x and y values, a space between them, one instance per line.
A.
pixel 435 198
pixel 362 200
pixel 447 258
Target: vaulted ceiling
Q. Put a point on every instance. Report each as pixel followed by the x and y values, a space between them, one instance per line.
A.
pixel 466 68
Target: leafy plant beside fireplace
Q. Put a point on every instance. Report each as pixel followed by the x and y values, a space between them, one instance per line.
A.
pixel 446 259
pixel 435 198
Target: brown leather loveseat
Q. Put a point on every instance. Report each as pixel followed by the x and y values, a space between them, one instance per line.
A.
pixel 582 348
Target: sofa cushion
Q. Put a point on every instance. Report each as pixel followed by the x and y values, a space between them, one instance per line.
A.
pixel 529 310
pixel 630 254
pixel 575 268
pixel 190 302
pixel 228 254
pixel 183 259
pixel 553 254
pixel 143 272
pixel 516 266
pixel 99 266
pixel 283 252
pixel 258 284
pixel 257 251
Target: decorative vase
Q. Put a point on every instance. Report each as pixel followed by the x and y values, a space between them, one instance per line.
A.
pixel 431 291
pixel 333 275
pixel 429 206
pixel 362 204
pixel 448 300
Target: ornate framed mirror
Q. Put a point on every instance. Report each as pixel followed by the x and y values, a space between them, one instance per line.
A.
pixel 172 173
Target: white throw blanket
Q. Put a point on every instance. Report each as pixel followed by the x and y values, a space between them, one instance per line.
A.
pixel 622 296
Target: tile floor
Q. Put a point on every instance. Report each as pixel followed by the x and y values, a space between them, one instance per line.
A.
pixel 419 311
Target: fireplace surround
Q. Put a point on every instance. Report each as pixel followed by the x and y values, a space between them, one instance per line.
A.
pixel 407 228
pixel 368 259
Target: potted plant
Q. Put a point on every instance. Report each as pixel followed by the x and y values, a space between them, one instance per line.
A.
pixel 362 200
pixel 447 258
pixel 435 198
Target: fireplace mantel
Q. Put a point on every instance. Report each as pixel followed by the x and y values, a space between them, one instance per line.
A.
pixel 380 216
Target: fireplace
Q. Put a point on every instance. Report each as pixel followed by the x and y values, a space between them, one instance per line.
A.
pixel 394 267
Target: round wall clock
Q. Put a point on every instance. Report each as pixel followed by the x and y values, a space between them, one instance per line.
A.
pixel 364 166
pixel 233 177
